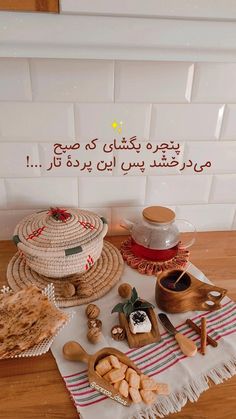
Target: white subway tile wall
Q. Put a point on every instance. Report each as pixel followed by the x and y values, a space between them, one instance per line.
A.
pixel 234 223
pixel 223 189
pixel 151 81
pixel 221 155
pixel 112 191
pixel 229 126
pixel 214 82
pixel 36 120
pixel 19 160
pixel 15 79
pixel 54 101
pixel 185 122
pixel 41 192
pixel 208 217
pixel 95 120
pixel 189 189
pixel 3 195
pixel 72 80
pixel 9 219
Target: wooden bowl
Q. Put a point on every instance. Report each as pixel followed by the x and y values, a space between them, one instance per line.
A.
pixel 190 294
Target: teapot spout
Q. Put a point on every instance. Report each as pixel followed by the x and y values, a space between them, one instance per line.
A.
pixel 128 225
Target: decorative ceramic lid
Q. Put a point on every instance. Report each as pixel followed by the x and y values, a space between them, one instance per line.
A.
pixel 59 229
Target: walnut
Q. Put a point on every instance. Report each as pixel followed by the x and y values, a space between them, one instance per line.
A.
pixel 84 290
pixel 118 332
pixel 94 335
pixel 92 311
pixel 125 290
pixel 95 323
pixel 67 290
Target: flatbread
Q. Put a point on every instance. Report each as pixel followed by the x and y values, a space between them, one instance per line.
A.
pixel 27 317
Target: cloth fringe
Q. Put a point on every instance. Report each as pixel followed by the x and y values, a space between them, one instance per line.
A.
pixel 175 401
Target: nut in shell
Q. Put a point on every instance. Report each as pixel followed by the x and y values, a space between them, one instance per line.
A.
pixel 84 290
pixel 118 333
pixel 92 323
pixel 125 290
pixel 94 335
pixel 67 290
pixel 92 311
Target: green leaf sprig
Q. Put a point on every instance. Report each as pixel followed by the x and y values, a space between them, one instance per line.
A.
pixel 133 304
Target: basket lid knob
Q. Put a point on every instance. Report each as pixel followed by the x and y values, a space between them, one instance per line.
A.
pixel 59 214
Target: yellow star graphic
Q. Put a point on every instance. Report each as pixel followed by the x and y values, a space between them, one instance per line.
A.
pixel 114 124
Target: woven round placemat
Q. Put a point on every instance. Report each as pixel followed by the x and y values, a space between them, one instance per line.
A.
pixel 75 289
pixel 149 267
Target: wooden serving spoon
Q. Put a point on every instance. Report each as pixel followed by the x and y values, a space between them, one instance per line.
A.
pixel 73 351
pixel 186 345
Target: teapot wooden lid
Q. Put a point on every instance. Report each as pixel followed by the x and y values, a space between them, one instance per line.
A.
pixel 158 214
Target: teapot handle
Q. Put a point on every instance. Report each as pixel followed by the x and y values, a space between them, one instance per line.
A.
pixel 128 225
pixel 191 229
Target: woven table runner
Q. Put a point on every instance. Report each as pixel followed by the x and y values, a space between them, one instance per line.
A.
pixel 187 377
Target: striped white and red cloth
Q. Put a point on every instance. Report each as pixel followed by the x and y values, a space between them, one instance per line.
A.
pixel 187 377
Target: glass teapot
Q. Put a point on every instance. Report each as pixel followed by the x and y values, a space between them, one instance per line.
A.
pixel 157 236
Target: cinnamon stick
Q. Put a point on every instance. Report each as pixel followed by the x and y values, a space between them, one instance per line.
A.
pixel 203 335
pixel 197 329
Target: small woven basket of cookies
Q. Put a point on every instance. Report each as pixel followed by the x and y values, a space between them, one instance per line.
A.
pixel 61 242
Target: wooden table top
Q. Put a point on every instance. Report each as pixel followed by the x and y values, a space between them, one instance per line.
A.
pixel 32 388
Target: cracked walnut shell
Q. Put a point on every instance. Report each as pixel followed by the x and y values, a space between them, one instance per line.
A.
pixel 118 333
pixel 94 335
pixel 92 311
pixel 95 323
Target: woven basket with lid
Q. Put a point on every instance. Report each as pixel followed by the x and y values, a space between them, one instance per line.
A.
pixel 57 243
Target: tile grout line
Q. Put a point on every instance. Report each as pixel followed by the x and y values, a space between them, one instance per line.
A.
pixel 74 123
pixel 6 193
pixel 78 188
pixel 145 192
pixel 40 168
pixel 114 81
pixel 190 82
pixel 149 121
pixel 220 120
pixel 234 219
pixel 30 77
pixel 211 190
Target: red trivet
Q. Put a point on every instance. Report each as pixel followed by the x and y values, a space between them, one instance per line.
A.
pixel 149 267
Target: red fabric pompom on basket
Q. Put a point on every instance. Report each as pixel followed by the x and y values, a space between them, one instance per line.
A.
pixel 59 214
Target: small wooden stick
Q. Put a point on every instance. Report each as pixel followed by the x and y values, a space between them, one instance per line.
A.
pixel 197 329
pixel 203 335
pixel 182 274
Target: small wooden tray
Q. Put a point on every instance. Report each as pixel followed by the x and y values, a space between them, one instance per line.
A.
pixel 141 339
